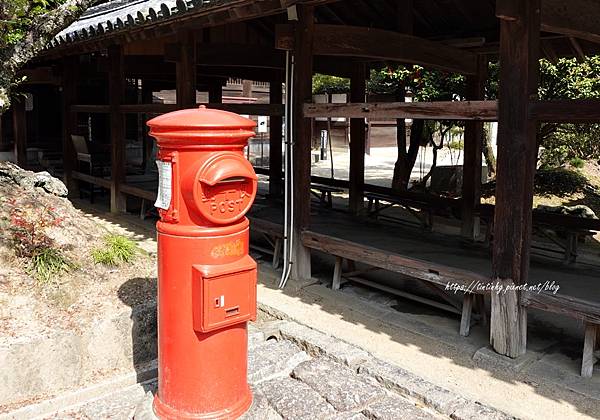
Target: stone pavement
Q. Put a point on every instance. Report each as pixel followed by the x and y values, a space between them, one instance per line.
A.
pixel 299 373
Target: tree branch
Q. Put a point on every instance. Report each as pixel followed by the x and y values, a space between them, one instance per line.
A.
pixel 37 37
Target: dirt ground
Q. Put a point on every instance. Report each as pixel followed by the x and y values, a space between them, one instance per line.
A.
pixel 29 307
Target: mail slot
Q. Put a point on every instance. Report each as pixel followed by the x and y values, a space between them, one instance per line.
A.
pixel 224 188
pixel 206 279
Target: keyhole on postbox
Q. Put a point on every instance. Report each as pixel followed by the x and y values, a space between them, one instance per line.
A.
pixel 220 301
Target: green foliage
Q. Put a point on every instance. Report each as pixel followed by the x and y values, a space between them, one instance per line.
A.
pixel 558 181
pixel 567 142
pixel 46 263
pixel 570 79
pixel 16 16
pixel 425 85
pixel 323 83
pixel 117 249
pixel 456 145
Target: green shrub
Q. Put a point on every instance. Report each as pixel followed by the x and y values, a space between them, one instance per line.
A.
pixel 323 83
pixel 117 249
pixel 46 263
pixel 558 181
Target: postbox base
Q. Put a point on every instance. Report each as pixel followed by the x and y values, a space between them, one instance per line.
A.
pixel 165 412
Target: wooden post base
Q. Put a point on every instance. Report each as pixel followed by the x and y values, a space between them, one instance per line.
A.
pixel 591 344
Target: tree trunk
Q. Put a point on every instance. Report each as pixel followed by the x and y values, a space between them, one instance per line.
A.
pixel 406 159
pixel 488 152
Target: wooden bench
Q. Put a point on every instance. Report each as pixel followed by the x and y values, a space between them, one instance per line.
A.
pixel 435 276
pixel 273 234
pixel 323 193
pixel 571 240
pixel 424 214
pixel 572 227
pixel 586 311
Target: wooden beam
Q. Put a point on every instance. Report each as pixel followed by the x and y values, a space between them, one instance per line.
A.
pixel 275 141
pixel 577 48
pixel 89 109
pixel 39 75
pixel 185 69
pixel 243 55
pixel 571 110
pixel 101 182
pixel 442 110
pixel 148 108
pixel 378 44
pixel 573 18
pixel 138 192
pixel 303 54
pixel 357 142
pixel 473 145
pixel 19 115
pixel 116 92
pixel 580 309
pixel 517 152
pixel 250 109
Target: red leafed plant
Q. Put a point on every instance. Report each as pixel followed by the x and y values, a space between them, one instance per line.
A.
pixel 28 226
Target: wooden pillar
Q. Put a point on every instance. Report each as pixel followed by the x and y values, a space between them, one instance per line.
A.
pixel 473 144
pixel 519 50
pixel 357 141
pixel 148 141
pixel 186 71
pixel 20 131
pixel 215 93
pixel 116 92
pixel 69 121
pixel 303 56
pixel 275 150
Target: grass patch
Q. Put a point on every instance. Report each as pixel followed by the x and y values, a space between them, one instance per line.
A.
pixel 117 250
pixel 46 263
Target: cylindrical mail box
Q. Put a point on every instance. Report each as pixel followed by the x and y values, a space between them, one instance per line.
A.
pixel 206 279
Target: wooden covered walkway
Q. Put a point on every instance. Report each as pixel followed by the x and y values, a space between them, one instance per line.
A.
pixel 104 69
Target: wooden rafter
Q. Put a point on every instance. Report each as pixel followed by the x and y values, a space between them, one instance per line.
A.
pixel 582 110
pixel 377 44
pixel 574 18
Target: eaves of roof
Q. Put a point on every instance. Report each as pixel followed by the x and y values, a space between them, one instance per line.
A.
pixel 120 15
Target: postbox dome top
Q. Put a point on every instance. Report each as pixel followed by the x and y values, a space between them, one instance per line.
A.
pixel 202 124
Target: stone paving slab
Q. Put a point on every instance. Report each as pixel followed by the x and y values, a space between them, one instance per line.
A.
pixel 394 407
pixel 316 343
pixel 273 359
pixel 306 375
pixel 293 399
pixel 340 386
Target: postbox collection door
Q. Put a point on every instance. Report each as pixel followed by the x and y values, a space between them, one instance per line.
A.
pixel 224 295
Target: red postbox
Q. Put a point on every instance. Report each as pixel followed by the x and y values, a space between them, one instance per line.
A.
pixel 206 279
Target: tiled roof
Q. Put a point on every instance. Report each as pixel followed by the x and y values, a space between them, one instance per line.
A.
pixel 117 15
